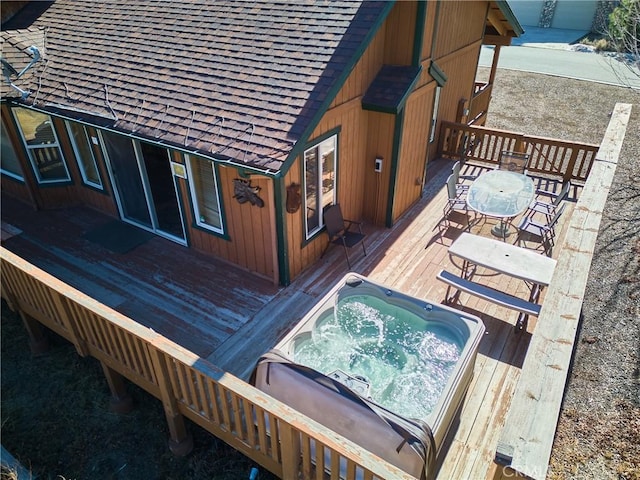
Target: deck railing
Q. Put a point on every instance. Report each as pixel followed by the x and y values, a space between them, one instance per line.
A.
pixel 557 158
pixel 269 432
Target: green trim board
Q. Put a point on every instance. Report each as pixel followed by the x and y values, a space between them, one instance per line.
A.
pixel 437 73
pixel 421 18
pixel 395 159
pixel 284 274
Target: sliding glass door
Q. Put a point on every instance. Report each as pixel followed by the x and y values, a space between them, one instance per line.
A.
pixel 145 188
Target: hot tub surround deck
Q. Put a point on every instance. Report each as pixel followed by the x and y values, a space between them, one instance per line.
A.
pixel 365 418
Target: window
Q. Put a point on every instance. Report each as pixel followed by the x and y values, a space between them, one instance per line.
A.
pixel 319 182
pixel 434 115
pixel 42 146
pixel 9 163
pixel 204 193
pixel 84 154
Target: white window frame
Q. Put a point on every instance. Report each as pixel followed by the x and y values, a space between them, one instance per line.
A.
pixel 6 143
pixel 79 158
pixel 322 147
pixel 434 115
pixel 199 216
pixel 31 148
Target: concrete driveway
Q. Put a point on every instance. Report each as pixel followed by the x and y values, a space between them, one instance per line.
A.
pixel 548 51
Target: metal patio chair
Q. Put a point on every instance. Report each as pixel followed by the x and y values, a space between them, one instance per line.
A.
pixel 456 202
pixel 548 209
pixel 340 233
pixel 543 234
pixel 455 171
pixel 513 161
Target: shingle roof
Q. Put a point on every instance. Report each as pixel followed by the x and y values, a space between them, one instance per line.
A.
pixel 234 79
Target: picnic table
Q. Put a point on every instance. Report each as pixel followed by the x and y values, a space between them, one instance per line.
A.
pixel 476 251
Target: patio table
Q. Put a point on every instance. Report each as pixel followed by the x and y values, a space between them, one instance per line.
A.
pixel 501 194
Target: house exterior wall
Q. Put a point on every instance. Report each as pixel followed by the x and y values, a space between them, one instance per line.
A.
pixel 413 153
pixel 354 157
pixel 366 135
pixel 401 139
pixel 56 195
pixel 459 33
pixel 249 239
pixel 14 187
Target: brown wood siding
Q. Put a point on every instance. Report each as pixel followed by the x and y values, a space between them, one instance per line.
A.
pixel 400 28
pixel 355 155
pixel 429 27
pixel 78 192
pixel 363 73
pixel 460 23
pixel 460 68
pixel 352 161
pixel 251 243
pixel 379 144
pixel 413 154
pixel 299 255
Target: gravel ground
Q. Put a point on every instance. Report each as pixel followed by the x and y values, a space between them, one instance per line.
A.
pixel 598 435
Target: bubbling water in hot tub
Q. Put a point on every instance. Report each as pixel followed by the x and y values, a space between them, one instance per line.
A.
pixel 405 359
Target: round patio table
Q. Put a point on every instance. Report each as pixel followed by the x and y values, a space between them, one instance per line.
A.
pixel 500 194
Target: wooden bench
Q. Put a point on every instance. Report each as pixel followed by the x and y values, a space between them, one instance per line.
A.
pixel 488 293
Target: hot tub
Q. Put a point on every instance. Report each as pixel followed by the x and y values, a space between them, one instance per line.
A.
pixel 386 370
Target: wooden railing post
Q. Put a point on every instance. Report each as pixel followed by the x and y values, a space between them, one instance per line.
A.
pixel 38 342
pixel 290 442
pixel 121 401
pixel 568 173
pixel 180 441
pixel 69 322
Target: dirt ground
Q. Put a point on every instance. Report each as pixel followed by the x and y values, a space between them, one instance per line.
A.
pixel 65 437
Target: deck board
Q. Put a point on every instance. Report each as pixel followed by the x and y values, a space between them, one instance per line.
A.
pixel 231 317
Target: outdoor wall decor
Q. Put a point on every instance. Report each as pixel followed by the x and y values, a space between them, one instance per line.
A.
pixel 245 192
pixel 294 199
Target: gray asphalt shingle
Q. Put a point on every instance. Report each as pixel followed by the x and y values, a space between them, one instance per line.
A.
pixel 255 73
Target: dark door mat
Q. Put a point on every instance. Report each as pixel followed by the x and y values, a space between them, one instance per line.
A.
pixel 117 236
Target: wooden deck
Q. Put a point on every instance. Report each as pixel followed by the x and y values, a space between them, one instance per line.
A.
pixel 231 317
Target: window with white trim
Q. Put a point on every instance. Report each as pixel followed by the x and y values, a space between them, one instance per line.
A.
pixel 204 193
pixel 84 154
pixel 319 163
pixel 9 163
pixel 42 145
pixel 434 114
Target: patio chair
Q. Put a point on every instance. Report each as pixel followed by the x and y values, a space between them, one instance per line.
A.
pixel 456 202
pixel 455 171
pixel 548 209
pixel 542 233
pixel 514 162
pixel 340 233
